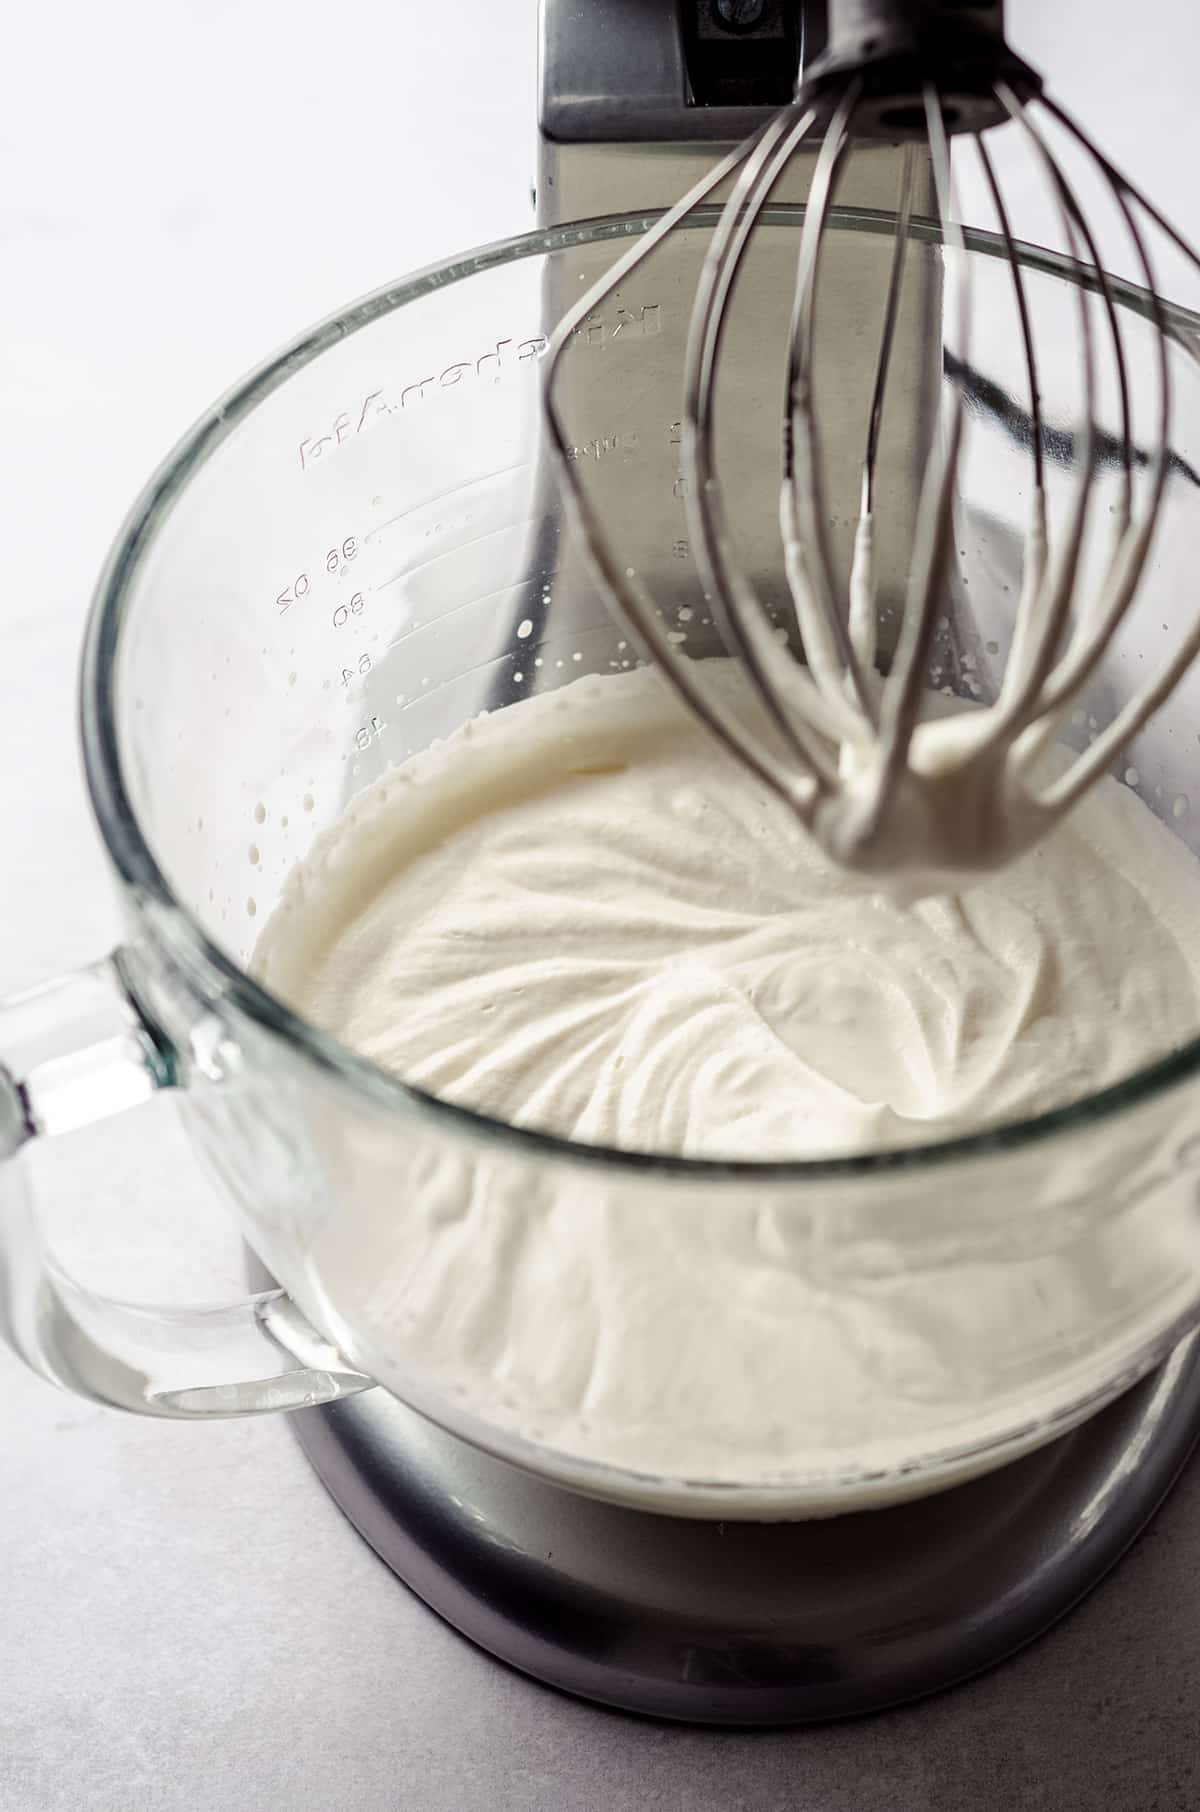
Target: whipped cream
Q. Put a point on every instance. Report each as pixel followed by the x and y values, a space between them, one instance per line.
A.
pixel 577 915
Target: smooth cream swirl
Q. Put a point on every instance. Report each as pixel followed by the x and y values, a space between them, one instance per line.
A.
pixel 577 915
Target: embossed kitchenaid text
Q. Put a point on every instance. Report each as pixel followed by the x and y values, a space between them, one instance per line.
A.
pixel 643 322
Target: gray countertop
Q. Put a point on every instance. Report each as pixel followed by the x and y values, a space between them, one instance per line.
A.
pixel 185 1619
pixel 188 1622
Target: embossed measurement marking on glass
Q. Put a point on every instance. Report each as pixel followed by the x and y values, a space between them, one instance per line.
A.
pixel 440 498
pixel 334 560
pixel 505 528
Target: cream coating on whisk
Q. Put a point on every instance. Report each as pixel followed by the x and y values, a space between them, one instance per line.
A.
pixel 579 915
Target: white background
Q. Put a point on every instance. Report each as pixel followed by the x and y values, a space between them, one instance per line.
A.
pixel 184 1620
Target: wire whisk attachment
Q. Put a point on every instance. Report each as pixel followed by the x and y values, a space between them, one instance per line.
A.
pixel 889 781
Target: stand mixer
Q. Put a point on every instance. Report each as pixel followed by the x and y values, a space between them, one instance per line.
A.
pixel 363 546
pixel 691 1617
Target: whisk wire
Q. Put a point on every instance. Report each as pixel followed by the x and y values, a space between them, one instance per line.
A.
pixel 1130 720
pixel 1022 301
pixel 1121 183
pixel 737 610
pixel 861 619
pixel 1089 635
pixel 1011 701
pixel 891 312
pixel 1043 619
pixel 933 545
pixel 804 522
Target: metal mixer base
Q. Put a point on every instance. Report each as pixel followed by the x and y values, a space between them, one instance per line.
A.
pixel 748 1623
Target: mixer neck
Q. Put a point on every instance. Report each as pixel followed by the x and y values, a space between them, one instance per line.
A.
pixel 668 71
pixel 638 97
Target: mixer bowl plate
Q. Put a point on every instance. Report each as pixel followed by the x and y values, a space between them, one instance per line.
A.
pixel 753 1623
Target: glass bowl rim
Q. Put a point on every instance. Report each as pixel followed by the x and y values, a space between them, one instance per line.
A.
pixel 219 979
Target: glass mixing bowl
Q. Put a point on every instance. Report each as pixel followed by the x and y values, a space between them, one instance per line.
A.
pixel 356 551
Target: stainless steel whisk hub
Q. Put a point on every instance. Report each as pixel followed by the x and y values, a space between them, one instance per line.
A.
pixel 886 780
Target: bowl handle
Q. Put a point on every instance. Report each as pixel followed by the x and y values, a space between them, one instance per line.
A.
pixel 73 1052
